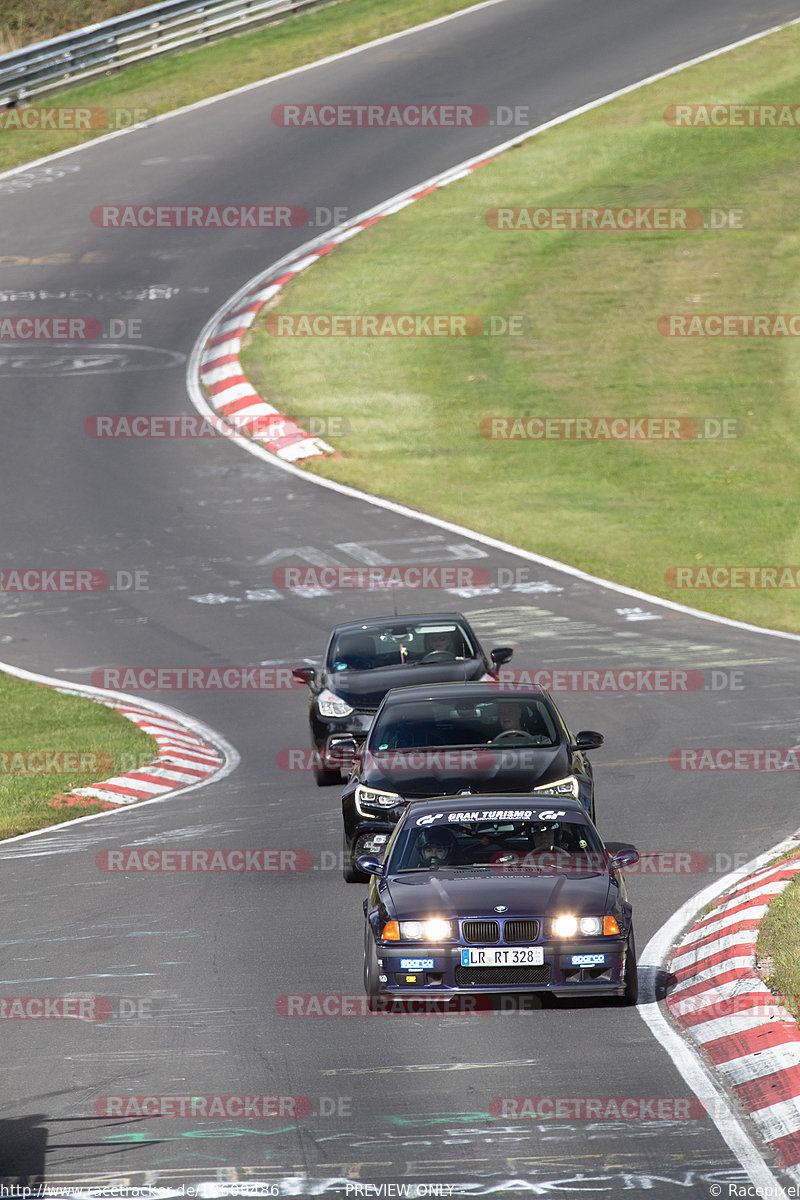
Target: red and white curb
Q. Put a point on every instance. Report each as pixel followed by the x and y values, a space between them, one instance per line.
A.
pixel 191 754
pixel 718 998
pixel 229 392
pixel 184 758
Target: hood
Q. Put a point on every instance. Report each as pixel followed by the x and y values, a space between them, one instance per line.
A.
pixel 444 772
pixel 475 892
pixel 366 689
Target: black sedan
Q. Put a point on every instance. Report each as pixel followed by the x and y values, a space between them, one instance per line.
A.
pixel 364 659
pixel 498 893
pixel 452 738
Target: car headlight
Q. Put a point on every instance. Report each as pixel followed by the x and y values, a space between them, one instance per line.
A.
pixel 560 787
pixel 372 798
pixel 568 926
pixel 432 930
pixel 332 706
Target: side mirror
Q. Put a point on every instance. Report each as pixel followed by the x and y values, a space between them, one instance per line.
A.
pixel 344 752
pixel 370 865
pixel 626 856
pixel 587 739
pixel 305 675
pixel 500 655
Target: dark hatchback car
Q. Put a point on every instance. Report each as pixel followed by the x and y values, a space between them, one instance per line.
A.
pixel 499 893
pixel 364 659
pixel 457 738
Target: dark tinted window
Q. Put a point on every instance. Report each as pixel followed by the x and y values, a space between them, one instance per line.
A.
pixel 400 642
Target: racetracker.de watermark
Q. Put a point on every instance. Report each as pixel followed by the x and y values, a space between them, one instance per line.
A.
pixel 55 762
pixel 643 219
pixel 378 578
pixel 739 116
pixel 71 117
pixel 199 216
pixel 256 1107
pixel 273 426
pixel 733 577
pixel 400 325
pixel 76 579
pixel 55 1008
pixel 599 1108
pixel 413 115
pixel 735 758
pixel 174 861
pixel 610 429
pixel 334 1004
pixel 716 325
pixel 618 679
pixel 195 679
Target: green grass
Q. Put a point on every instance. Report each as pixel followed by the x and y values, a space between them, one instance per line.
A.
pixel 22 23
pixel 589 303
pixel 779 943
pixel 169 83
pixel 38 724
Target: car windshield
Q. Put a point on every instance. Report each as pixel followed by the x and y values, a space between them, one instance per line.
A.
pixel 450 723
pixel 504 846
pixel 400 643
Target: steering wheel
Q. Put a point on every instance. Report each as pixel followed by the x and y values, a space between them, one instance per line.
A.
pixel 438 656
pixel 508 733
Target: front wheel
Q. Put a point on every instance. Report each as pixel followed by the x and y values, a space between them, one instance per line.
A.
pixel 326 778
pixel 350 872
pixel 631 994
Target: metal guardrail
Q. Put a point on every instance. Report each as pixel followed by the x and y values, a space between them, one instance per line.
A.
pixel 110 45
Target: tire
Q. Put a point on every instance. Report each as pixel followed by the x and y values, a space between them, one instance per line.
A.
pixel 371 970
pixel 350 872
pixel 326 778
pixel 631 993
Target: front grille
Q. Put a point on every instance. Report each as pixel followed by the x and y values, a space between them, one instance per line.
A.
pixel 521 931
pixel 501 976
pixel 481 933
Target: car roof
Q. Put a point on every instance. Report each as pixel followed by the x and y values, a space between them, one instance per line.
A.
pixel 467 690
pixel 494 801
pixel 397 619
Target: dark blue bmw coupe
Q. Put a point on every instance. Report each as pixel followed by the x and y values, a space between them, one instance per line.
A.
pixel 498 893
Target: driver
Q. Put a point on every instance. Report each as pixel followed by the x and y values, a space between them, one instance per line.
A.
pixel 440 642
pixel 436 846
pixel 509 714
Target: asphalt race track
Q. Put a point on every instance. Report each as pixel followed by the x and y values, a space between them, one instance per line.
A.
pixel 194 964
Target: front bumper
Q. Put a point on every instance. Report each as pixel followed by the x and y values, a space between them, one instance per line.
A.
pixel 415 969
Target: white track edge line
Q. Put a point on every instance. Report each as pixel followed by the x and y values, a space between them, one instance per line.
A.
pixel 229 752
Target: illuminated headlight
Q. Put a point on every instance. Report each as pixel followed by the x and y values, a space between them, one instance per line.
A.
pixel 331 706
pixel 434 930
pixel 374 799
pixel 560 787
pixel 567 926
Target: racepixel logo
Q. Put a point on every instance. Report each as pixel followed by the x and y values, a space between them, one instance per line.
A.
pixel 195 679
pixel 31 117
pixel 255 1107
pixel 198 216
pixel 641 680
pixel 274 426
pixel 54 762
pixel 379 578
pixel 735 758
pixel 715 325
pixel 397 116
pixel 38 579
pixel 599 1108
pixel 610 429
pixel 336 1005
pixel 401 325
pixel 732 577
pixel 184 861
pixel 739 116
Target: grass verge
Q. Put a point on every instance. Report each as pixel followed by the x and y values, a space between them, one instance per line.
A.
pixel 168 83
pixel 588 304
pixel 53 743
pixel 779 944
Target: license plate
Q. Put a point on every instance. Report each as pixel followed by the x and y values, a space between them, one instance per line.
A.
pixel 502 956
